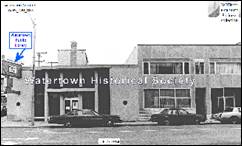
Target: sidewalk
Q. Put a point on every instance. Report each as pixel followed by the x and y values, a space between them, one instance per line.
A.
pixel 21 124
pixel 24 124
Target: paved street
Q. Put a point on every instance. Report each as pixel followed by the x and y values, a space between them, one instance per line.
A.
pixel 225 134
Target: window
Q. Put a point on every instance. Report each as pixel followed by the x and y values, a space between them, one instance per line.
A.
pixel 175 112
pixel 167 98
pixel 186 68
pixel 167 102
pixel 199 67
pixel 212 68
pixel 183 112
pixel 166 68
pixel 183 102
pixel 151 98
pixel 146 68
pixel 167 92
pixel 182 92
pixel 228 68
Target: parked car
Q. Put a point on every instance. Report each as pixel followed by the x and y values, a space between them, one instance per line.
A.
pixel 84 117
pixel 176 116
pixel 3 111
pixel 230 115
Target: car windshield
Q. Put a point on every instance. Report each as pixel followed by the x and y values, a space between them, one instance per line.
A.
pixel 165 111
pixel 89 113
pixel 83 113
pixel 228 109
pixel 74 112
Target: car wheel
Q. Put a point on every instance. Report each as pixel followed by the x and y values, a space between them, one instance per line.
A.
pixel 159 123
pixel 167 122
pixel 109 123
pixel 197 121
pixel 234 120
pixel 68 124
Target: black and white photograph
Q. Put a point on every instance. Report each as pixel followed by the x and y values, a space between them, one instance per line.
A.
pixel 120 72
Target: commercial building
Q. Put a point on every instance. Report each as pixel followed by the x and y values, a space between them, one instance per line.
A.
pixel 201 78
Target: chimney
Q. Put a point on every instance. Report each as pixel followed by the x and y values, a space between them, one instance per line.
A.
pixel 73 45
pixel 73 53
pixel 73 56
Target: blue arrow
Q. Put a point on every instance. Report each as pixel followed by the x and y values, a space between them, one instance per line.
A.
pixel 19 56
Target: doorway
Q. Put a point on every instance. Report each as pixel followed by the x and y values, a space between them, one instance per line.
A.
pixel 225 102
pixel 71 104
pixel 200 100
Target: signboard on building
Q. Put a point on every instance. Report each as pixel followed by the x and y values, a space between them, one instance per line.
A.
pixel 11 69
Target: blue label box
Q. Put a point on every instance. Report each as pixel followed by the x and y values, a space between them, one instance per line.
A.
pixel 20 40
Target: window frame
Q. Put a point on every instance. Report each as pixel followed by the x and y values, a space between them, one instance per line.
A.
pixel 214 68
pixel 200 72
pixel 227 73
pixel 143 67
pixel 168 97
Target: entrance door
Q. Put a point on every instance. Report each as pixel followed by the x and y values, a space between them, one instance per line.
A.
pixel 200 101
pixel 225 102
pixel 71 104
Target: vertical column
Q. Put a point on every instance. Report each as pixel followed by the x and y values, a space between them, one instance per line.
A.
pixel 183 68
pixel 62 105
pixel 208 99
pixel 80 101
pixel 81 81
pixel 193 97
pixel 46 107
pixel 96 91
pixel 61 77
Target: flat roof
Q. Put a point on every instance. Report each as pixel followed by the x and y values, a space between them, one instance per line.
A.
pixel 88 66
pixel 71 50
pixel 238 44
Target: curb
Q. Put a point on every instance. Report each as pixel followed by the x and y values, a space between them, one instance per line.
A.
pixel 117 124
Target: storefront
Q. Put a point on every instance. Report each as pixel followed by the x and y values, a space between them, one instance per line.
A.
pixel 60 90
pixel 204 79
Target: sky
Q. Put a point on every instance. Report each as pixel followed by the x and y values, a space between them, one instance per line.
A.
pixel 109 31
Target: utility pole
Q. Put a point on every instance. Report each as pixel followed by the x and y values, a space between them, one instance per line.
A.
pixel 39 56
pixel 33 73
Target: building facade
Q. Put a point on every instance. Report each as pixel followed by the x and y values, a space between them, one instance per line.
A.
pixel 204 79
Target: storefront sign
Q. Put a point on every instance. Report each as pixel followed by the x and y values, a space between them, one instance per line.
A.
pixel 11 69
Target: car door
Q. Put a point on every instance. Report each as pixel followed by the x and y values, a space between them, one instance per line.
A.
pixel 184 117
pixel 92 118
pixel 173 116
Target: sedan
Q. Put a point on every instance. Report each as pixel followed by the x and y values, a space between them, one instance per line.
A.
pixel 229 115
pixel 84 117
pixel 176 116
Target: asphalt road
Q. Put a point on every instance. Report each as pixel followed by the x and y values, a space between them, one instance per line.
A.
pixel 222 134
